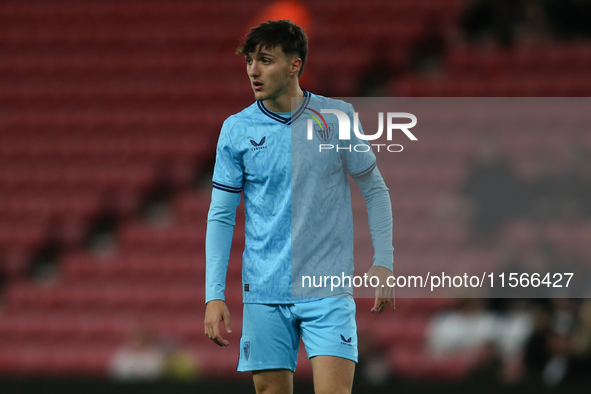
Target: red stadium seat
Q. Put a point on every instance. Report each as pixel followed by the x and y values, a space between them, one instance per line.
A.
pixel 95 113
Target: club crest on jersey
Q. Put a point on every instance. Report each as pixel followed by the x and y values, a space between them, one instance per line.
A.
pixel 246 348
pixel 324 131
pixel 324 134
pixel 258 145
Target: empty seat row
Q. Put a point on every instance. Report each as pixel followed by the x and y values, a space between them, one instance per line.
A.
pixel 576 86
pixel 134 86
pixel 122 296
pixel 98 329
pixel 101 177
pixel 55 360
pixel 48 34
pixel 189 236
pixel 138 10
pixel 104 152
pixel 166 118
pixel 544 60
pixel 141 267
pixel 420 365
pixel 571 238
pixel 80 205
pixel 48 63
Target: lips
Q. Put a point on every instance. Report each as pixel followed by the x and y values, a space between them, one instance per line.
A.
pixel 257 85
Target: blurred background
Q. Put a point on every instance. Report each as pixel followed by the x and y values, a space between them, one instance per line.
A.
pixel 109 117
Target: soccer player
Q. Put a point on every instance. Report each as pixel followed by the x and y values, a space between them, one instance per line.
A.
pixel 254 157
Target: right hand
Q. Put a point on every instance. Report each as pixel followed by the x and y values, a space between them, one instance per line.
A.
pixel 385 293
pixel 216 311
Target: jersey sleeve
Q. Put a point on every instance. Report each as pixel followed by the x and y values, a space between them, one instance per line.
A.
pixel 218 242
pixel 228 172
pixel 379 212
pixel 356 153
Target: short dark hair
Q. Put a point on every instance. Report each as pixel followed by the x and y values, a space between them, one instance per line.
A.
pixel 288 35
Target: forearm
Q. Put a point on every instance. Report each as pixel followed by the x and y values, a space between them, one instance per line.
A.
pixel 218 242
pixel 379 212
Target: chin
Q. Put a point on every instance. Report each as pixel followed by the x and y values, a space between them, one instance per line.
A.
pixel 260 96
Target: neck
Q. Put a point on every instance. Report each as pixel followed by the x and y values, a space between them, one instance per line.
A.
pixel 283 102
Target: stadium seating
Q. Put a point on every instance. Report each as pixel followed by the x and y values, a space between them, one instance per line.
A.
pixel 102 100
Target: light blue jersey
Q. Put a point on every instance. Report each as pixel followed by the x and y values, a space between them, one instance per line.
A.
pixel 321 214
pixel 289 189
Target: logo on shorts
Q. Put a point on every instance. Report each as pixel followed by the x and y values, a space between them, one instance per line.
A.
pixel 346 341
pixel 246 347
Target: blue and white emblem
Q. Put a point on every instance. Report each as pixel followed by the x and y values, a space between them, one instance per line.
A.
pixel 324 133
pixel 246 348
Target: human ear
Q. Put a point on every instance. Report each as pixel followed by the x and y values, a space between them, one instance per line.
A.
pixel 295 66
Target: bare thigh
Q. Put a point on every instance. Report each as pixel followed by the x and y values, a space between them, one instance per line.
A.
pixel 332 374
pixel 273 381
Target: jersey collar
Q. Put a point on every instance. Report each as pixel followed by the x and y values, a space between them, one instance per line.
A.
pixel 295 115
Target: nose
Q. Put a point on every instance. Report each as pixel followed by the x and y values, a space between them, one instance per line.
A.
pixel 253 69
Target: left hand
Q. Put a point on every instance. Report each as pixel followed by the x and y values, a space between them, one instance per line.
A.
pixel 384 293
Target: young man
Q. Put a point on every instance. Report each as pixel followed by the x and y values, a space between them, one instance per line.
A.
pixel 254 156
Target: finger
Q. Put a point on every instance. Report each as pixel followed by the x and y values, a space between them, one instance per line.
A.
pixel 219 340
pixel 218 335
pixel 391 298
pixel 215 336
pixel 376 305
pixel 387 298
pixel 380 304
pixel 226 319
pixel 214 330
pixel 383 304
pixel 208 330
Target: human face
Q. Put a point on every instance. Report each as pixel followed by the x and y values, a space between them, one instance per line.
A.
pixel 270 71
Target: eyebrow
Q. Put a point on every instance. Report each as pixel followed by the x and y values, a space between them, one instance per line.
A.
pixel 261 53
